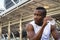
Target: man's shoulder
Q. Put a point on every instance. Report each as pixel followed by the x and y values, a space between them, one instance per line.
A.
pixel 29 26
pixel 31 22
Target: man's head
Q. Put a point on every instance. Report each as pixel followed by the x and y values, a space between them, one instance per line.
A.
pixel 39 14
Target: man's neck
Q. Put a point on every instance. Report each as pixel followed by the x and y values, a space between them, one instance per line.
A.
pixel 39 23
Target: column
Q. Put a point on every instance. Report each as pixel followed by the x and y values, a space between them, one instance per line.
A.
pixel 0 30
pixel 20 28
pixel 9 30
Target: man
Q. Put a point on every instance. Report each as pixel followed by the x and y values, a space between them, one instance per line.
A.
pixel 41 27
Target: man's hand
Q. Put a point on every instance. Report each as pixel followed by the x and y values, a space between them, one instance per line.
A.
pixel 46 19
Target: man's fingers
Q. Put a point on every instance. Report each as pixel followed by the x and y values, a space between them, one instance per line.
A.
pixel 49 18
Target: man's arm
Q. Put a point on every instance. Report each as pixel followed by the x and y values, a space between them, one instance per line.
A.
pixel 55 33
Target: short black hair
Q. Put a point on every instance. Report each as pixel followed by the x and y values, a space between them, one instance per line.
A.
pixel 43 10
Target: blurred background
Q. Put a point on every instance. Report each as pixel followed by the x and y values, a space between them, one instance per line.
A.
pixel 15 14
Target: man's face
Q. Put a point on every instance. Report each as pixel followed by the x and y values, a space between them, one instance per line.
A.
pixel 38 17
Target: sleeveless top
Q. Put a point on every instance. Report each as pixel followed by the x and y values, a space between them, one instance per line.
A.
pixel 46 31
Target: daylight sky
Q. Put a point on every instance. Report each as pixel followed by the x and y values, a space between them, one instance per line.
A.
pixel 2 4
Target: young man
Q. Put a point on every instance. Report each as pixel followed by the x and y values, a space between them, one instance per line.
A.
pixel 41 27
